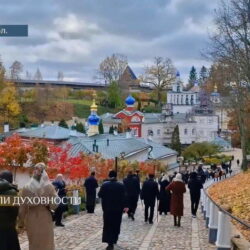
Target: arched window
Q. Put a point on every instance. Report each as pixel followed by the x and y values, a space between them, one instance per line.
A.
pixel 150 132
pixel 193 131
pixel 185 131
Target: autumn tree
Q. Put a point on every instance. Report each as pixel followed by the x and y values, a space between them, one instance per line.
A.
pixel 160 75
pixel 197 151
pixel 175 141
pixel 9 105
pixel 230 46
pixel 112 67
pixel 15 70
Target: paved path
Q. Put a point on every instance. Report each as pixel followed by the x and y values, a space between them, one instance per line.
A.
pixel 84 232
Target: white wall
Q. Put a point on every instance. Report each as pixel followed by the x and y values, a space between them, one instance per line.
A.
pixel 155 127
pixel 182 108
pixel 204 128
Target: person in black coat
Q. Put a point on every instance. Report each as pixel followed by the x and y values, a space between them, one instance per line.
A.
pixel 8 214
pixel 195 186
pixel 132 189
pixel 149 193
pixel 60 185
pixel 114 203
pixel 165 196
pixel 91 185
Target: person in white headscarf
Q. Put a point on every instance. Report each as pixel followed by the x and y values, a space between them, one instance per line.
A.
pixel 37 218
pixel 177 189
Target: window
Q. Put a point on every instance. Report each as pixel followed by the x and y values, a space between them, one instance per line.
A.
pixel 185 131
pixel 135 119
pixel 158 132
pixel 150 132
pixel 193 131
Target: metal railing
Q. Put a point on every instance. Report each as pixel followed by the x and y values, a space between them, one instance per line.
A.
pixel 217 218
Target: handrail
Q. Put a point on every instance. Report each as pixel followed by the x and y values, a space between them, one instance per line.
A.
pixel 247 225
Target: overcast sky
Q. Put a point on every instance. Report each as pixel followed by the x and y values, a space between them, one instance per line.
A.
pixel 74 36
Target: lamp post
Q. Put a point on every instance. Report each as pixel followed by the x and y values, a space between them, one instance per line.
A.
pixel 180 160
pixel 122 155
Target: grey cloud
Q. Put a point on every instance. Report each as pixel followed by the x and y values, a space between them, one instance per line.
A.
pixel 140 29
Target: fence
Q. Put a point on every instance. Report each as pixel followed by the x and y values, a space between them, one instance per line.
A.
pixel 217 220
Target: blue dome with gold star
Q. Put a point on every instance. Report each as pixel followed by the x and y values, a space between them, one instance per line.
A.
pixel 130 100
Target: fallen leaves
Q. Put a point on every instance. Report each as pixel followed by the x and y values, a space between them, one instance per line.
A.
pixel 234 194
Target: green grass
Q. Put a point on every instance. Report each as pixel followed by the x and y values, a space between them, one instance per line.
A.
pixel 83 110
pixel 79 101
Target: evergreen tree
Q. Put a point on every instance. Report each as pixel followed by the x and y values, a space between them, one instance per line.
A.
pixel 175 141
pixel 192 78
pixel 100 127
pixel 203 75
pixel 111 130
pixel 80 128
pixel 63 124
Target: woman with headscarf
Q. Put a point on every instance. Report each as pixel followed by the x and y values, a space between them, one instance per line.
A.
pixel 177 189
pixel 8 214
pixel 37 218
pixel 59 185
pixel 165 196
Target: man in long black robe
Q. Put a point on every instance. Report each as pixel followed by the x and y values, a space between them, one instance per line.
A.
pixel 91 185
pixel 113 198
pixel 132 188
pixel 149 193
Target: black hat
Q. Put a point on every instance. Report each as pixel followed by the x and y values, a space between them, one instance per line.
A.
pixel 6 175
pixel 112 174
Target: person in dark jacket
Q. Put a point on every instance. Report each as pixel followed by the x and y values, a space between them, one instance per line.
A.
pixel 8 214
pixel 165 196
pixel 195 186
pixel 114 203
pixel 132 189
pixel 149 193
pixel 90 186
pixel 60 185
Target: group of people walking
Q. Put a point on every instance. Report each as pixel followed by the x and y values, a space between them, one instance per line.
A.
pixel 116 198
pixel 122 197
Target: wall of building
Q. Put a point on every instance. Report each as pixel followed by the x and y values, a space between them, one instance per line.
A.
pixel 182 108
pixel 204 128
pixel 157 129
pixel 169 160
pixel 141 156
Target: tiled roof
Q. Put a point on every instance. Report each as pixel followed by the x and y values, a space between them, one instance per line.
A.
pixel 53 132
pixel 159 151
pixel 133 76
pixel 117 145
pixel 152 118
